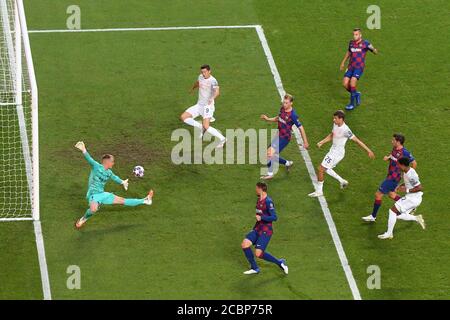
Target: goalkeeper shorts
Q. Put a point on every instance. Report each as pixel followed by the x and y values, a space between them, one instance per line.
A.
pixel 102 198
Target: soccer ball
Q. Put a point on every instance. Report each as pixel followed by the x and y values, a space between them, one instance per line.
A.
pixel 138 171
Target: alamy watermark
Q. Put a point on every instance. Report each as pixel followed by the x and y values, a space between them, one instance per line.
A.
pixel 374 20
pixel 73 22
pixel 251 146
pixel 74 280
pixel 374 279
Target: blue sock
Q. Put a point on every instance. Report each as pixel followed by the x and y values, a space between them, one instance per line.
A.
pixel 352 96
pixel 281 161
pixel 376 206
pixel 268 257
pixel 133 202
pixel 250 257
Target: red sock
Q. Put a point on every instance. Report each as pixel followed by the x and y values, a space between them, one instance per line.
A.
pixel 397 198
pixel 352 89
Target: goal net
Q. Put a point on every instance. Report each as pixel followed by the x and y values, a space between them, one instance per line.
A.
pixel 18 118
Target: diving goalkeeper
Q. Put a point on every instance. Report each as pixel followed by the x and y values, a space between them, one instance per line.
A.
pixel 96 195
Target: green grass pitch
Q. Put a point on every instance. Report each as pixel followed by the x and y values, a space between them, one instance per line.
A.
pixel 122 93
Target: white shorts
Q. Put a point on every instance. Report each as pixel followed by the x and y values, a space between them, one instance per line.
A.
pixel 409 202
pixel 331 159
pixel 206 112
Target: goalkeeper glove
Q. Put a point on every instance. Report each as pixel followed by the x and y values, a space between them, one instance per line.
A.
pixel 80 146
pixel 125 184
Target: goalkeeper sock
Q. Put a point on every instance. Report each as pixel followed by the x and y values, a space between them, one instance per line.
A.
pixel 133 202
pixel 268 257
pixel 88 214
pixel 250 257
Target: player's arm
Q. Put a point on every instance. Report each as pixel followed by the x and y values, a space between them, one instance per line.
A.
pixel 82 147
pixel 273 214
pixel 347 55
pixel 328 138
pixel 363 146
pixel 195 86
pixel 117 180
pixel 302 132
pixel 402 188
pixel 266 118
pixel 372 49
pixel 215 95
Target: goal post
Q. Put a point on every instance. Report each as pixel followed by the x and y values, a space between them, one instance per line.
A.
pixel 19 143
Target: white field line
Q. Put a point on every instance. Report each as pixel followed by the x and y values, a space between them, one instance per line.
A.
pixel 42 260
pixel 276 75
pixel 323 202
pixel 143 29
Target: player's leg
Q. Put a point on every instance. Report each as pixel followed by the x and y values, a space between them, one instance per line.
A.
pixel 93 208
pixel 407 205
pixel 189 116
pixel 208 112
pixel 335 159
pixel 328 162
pixel 387 187
pixel 246 245
pixel 320 180
pixel 271 152
pixel 400 211
pixel 356 95
pixel 261 253
pixel 346 83
pixel 133 202
pixel 283 144
pixel 273 156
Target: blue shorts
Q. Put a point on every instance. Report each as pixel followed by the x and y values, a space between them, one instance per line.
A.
pixel 388 186
pixel 259 241
pixel 279 144
pixel 102 198
pixel 356 73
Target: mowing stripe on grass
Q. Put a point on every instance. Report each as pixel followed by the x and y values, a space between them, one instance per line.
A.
pixel 323 202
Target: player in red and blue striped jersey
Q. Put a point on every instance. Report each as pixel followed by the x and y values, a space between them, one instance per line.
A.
pixel 286 119
pixel 262 232
pixel 389 185
pixel 356 54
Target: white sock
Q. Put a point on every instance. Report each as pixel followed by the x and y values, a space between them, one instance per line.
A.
pixel 333 173
pixel 319 186
pixel 215 133
pixel 391 221
pixel 192 122
pixel 407 217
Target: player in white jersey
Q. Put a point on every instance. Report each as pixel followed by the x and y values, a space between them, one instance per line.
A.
pixel 404 206
pixel 339 135
pixel 208 91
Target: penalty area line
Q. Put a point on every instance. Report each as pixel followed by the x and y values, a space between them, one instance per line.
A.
pixel 305 154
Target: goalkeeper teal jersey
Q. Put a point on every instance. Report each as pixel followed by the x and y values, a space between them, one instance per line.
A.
pixel 99 176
